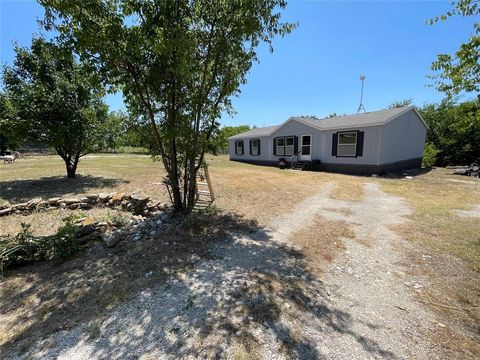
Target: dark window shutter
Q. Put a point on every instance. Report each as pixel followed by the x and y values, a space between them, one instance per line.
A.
pixel 295 145
pixel 250 142
pixel 274 146
pixel 235 145
pixel 334 144
pixel 359 143
pixel 258 142
pixel 243 149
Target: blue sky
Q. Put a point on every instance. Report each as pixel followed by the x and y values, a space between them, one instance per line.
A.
pixel 315 70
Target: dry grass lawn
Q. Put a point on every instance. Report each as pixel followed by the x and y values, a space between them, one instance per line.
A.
pixel 256 192
pixel 446 251
pixel 321 242
pixel 40 299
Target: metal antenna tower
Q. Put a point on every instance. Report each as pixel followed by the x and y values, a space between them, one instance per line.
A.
pixel 360 107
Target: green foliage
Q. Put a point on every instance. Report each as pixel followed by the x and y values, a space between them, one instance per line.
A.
pixel 219 143
pixel 113 130
pixel 178 64
pixel 454 130
pixel 11 134
pixel 429 155
pixel 56 100
pixel 26 248
pixel 401 103
pixel 460 72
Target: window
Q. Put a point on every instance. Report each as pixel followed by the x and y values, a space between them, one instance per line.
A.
pixel 255 147
pixel 289 144
pixel 280 146
pixel 285 146
pixel 347 144
pixel 239 147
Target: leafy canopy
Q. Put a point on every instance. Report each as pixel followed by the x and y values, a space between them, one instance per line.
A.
pixel 178 63
pixel 55 100
pixel 460 72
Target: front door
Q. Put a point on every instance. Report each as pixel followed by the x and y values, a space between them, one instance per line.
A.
pixel 306 148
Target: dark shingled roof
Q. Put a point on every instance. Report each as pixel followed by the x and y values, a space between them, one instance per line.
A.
pixel 365 119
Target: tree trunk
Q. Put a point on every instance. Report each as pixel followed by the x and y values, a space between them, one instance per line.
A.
pixel 71 162
pixel 71 173
pixel 71 169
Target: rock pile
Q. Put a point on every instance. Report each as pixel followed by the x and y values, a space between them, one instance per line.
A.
pixel 111 232
pixel 134 203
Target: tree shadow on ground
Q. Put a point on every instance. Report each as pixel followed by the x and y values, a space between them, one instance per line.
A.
pixel 17 191
pixel 211 283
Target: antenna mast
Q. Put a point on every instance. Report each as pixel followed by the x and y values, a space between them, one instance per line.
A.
pixel 360 107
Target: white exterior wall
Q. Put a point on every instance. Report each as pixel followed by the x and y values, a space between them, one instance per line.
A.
pixel 370 147
pixel 402 138
pixel 266 147
pixel 295 128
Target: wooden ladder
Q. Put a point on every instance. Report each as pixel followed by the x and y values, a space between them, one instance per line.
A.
pixel 204 196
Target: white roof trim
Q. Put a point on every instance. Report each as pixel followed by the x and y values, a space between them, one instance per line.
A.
pixel 297 120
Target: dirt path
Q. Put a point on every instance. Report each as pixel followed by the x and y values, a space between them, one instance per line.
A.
pixel 254 299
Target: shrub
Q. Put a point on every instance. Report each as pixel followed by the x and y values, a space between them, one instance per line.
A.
pixel 429 155
pixel 26 248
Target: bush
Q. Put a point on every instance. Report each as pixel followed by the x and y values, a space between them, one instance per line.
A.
pixel 429 155
pixel 26 248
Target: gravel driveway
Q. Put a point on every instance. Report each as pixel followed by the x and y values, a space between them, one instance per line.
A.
pixel 255 298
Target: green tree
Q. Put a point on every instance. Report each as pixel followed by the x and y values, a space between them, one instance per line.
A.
pixel 11 133
pixel 219 143
pixel 114 131
pixel 178 64
pixel 454 131
pixel 460 72
pixel 401 103
pixel 56 100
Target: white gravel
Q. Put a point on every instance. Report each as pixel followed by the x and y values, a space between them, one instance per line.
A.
pixel 362 308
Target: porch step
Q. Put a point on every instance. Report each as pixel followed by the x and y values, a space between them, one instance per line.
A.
pixel 301 165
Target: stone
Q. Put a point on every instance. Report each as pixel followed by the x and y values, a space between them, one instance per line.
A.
pixel 117 198
pixel 54 200
pixel 138 199
pixel 22 206
pixel 62 205
pixel 104 197
pixel 113 238
pixel 92 197
pixel 33 203
pixel 71 206
pixel 5 205
pixel 43 204
pixel 88 221
pixel 71 201
pixel 152 205
pixel 84 205
pixel 6 211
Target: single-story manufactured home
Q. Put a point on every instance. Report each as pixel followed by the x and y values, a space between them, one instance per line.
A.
pixel 367 143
